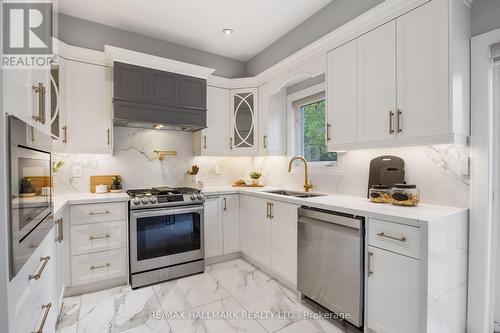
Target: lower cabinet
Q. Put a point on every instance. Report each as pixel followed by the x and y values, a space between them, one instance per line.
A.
pixel 98 242
pixel 393 291
pixel 269 235
pixel 222 225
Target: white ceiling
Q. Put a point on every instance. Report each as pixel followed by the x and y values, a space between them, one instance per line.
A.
pixel 199 23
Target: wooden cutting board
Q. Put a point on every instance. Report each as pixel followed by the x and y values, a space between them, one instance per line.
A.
pixel 101 180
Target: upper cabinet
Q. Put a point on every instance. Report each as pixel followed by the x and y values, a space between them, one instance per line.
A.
pixel 272 121
pixel 214 140
pixel 396 86
pixel 243 121
pixel 27 96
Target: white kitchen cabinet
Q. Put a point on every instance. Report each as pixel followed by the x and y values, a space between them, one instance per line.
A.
pixel 87 125
pixel 376 83
pixel 409 84
pixel 63 255
pixel 423 71
pixel 284 218
pixel 213 226
pixel 341 95
pixel 272 121
pixel 27 96
pixel 256 229
pixel 214 140
pixel 230 223
pixel 393 292
pixel 243 122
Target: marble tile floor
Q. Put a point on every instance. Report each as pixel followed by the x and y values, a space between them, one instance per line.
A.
pixel 233 296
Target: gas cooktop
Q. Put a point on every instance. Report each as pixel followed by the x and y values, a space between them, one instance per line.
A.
pixel 164 197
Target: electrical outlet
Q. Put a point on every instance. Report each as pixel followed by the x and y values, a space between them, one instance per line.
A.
pixel 465 167
pixel 217 170
pixel 77 171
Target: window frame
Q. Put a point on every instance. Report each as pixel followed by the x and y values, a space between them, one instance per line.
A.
pixel 295 101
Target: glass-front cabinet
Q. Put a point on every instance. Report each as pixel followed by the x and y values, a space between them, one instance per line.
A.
pixel 243 121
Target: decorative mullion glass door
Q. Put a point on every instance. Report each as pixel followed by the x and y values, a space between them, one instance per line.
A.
pixel 243 136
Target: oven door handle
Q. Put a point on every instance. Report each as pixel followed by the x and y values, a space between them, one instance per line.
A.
pixel 170 211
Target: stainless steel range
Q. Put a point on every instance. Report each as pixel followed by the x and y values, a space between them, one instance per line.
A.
pixel 166 234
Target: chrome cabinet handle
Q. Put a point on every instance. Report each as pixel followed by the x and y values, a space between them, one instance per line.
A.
pixel 109 136
pixel 400 129
pixel 99 237
pixel 370 255
pixel 268 207
pixel 204 142
pixel 328 129
pixel 271 209
pixel 97 267
pixel 99 213
pixel 225 204
pixel 40 90
pixel 265 141
pixel 60 230
pixel 231 143
pixel 399 239
pixel 46 309
pixel 65 137
pixel 391 121
pixel 38 274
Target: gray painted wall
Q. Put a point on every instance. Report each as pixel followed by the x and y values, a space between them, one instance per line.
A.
pixel 332 16
pixel 485 16
pixel 78 32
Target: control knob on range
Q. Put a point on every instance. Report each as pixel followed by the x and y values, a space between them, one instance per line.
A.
pixel 193 197
pixel 145 200
pixel 199 196
pixel 152 200
pixel 136 201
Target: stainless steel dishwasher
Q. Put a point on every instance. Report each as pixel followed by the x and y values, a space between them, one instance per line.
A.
pixel 330 261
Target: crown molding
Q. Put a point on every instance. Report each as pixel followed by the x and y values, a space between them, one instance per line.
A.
pixel 142 59
pixel 76 53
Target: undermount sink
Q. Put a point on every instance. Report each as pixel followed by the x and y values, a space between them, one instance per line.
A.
pixel 295 194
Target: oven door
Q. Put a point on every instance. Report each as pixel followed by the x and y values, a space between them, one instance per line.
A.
pixel 165 237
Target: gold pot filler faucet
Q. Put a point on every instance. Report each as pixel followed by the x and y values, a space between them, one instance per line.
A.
pixel 307 183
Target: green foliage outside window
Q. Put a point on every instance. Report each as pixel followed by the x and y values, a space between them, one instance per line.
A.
pixel 314 127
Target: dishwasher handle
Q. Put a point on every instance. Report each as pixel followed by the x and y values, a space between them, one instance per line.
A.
pixel 307 214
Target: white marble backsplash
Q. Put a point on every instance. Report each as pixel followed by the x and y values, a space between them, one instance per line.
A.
pixel 439 171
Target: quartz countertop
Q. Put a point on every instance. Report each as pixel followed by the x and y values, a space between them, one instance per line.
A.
pixel 61 200
pixel 349 204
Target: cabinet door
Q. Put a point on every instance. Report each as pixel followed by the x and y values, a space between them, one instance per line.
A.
pixel 213 227
pixel 422 71
pixel 231 223
pixel 243 122
pixel 393 292
pixel 88 107
pixel 255 229
pixel 377 84
pixel 27 96
pixel 284 240
pixel 130 82
pixel 193 92
pixel 272 122
pixel 215 138
pixel 341 95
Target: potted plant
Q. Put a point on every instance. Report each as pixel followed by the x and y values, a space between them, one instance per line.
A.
pixel 26 187
pixel 116 186
pixel 255 175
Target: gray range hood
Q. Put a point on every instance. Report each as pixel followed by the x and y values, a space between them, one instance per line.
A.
pixel 149 98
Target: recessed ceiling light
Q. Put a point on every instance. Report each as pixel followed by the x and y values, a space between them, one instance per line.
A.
pixel 160 126
pixel 228 31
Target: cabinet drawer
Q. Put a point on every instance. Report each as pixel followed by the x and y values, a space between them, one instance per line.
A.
pixel 95 237
pixel 39 310
pixel 21 285
pixel 87 268
pixel 394 237
pixel 81 214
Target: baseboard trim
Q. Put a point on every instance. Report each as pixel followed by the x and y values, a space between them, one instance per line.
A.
pixel 95 286
pixel 222 258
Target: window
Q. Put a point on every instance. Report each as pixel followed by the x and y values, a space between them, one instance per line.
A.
pixel 312 131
